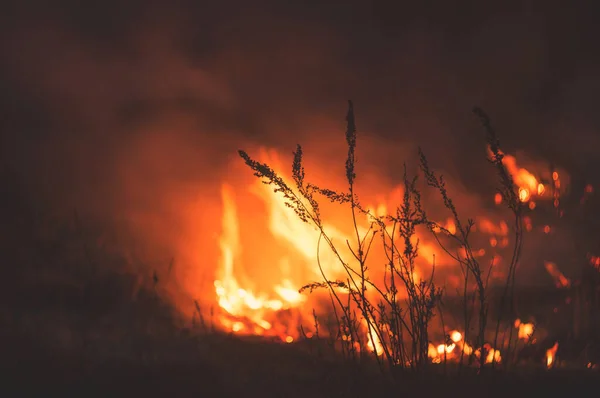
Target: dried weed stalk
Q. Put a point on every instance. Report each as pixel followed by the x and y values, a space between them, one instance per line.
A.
pixel 391 321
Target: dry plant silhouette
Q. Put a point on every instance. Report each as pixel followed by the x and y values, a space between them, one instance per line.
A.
pixel 398 316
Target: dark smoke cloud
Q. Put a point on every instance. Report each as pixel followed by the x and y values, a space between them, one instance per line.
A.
pixel 126 111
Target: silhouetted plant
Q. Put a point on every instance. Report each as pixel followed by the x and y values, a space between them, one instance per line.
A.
pixel 389 322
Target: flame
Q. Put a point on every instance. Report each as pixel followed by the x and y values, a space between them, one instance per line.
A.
pixel 456 336
pixel 493 355
pixel 528 184
pixel 254 308
pixel 525 329
pixel 451 350
pixel 373 342
pixel 257 288
pixel 524 194
pixel 242 302
pixel 551 355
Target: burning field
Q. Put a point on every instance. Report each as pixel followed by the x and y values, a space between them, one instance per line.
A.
pixel 185 202
pixel 421 269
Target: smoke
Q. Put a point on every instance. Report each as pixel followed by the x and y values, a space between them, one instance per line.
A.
pixel 133 114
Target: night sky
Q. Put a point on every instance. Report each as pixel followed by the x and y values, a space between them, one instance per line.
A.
pixel 83 86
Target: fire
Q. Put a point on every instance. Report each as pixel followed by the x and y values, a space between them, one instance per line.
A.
pixel 524 194
pixel 527 182
pixel 451 350
pixel 373 341
pixel 525 329
pixel 252 303
pixel 541 189
pixel 456 336
pixel 551 355
pixel 529 185
pixel 445 348
pixel 493 355
pixel 238 301
pixel 257 288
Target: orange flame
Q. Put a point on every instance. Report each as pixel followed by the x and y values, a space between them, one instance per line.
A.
pixel 255 287
pixel 525 329
pixel 551 355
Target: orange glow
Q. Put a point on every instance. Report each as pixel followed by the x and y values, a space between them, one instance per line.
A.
pixel 456 336
pixel 523 179
pixel 445 348
pixel 255 286
pixel 528 224
pixel 454 350
pixel 450 226
pixel 373 341
pixel 498 198
pixel 594 261
pixel 560 279
pixel 236 300
pixel 541 189
pixel 525 330
pixel 488 227
pixel 528 183
pixel 267 254
pixel 432 352
pixel 524 194
pixel 467 349
pixel 493 355
pixel 551 355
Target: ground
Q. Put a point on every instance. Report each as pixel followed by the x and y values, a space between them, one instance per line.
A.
pixel 217 365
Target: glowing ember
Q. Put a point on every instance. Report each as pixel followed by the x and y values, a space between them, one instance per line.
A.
pixel 560 279
pixel 498 198
pixel 546 229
